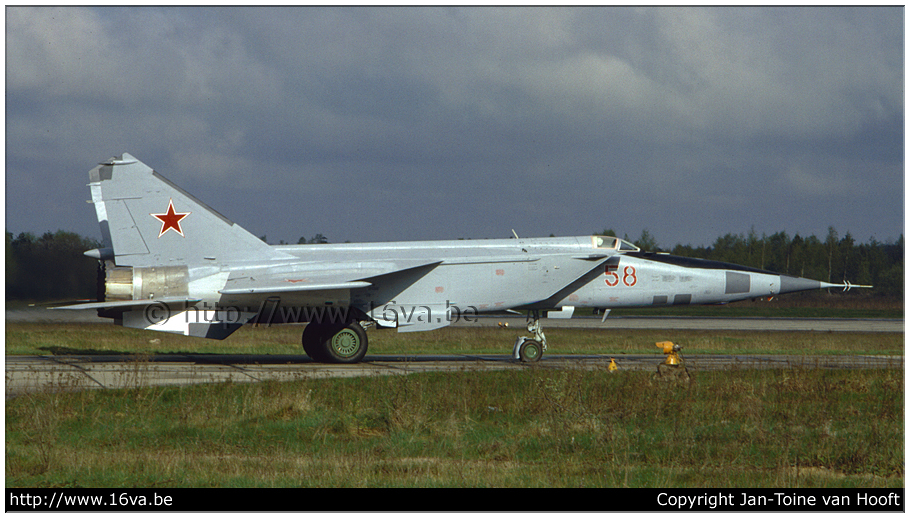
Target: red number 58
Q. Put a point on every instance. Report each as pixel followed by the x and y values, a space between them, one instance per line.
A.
pixel 629 277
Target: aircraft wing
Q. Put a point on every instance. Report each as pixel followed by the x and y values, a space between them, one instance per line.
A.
pixel 130 304
pixel 588 274
pixel 281 285
pixel 591 257
pixel 342 277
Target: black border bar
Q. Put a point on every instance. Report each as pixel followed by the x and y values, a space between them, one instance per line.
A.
pixel 424 500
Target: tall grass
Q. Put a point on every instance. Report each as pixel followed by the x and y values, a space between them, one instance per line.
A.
pixel 532 427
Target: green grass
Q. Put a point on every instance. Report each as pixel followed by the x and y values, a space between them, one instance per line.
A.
pixel 526 428
pixel 22 338
pixel 532 427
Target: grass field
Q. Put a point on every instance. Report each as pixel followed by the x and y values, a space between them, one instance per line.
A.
pixel 532 427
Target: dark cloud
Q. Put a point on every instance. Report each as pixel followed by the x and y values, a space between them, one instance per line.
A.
pixel 417 123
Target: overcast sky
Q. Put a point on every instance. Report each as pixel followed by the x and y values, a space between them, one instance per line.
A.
pixel 379 124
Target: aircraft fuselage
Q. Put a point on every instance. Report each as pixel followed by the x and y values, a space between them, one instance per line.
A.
pixel 171 263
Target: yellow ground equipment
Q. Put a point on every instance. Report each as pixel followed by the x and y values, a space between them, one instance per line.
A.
pixel 672 352
pixel 674 365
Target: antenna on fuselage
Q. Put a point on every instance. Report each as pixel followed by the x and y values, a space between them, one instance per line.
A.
pixel 514 234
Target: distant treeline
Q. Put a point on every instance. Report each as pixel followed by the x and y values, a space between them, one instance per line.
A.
pixel 50 267
pixel 53 267
pixel 832 259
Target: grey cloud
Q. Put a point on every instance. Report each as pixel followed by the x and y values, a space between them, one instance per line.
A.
pixel 561 120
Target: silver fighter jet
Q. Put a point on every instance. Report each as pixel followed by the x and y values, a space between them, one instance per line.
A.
pixel 169 262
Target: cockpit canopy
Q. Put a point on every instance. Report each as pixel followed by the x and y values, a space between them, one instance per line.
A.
pixel 614 243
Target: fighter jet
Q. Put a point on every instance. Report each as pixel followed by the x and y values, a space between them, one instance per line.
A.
pixel 171 263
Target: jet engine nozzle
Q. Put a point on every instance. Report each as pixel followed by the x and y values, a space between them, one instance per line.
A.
pixel 129 283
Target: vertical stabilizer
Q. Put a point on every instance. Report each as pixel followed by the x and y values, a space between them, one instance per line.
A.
pixel 146 220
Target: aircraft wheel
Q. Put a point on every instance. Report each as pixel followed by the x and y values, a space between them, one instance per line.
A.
pixel 345 345
pixel 530 351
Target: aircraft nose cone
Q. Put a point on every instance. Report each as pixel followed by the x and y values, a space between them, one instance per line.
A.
pixel 790 284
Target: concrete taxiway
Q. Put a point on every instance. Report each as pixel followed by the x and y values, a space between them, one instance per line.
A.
pixel 30 374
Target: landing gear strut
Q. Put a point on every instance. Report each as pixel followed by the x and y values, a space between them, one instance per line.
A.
pixel 335 343
pixel 531 349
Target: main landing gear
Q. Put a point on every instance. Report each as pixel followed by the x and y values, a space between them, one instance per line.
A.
pixel 531 349
pixel 347 343
pixel 335 343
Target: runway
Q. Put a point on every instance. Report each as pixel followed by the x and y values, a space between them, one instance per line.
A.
pixel 36 374
pixel 28 374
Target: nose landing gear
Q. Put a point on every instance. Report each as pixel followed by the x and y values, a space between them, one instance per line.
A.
pixel 531 349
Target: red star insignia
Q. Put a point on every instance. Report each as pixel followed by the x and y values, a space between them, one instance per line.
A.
pixel 171 219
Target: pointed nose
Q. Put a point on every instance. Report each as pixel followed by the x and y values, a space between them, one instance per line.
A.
pixel 790 284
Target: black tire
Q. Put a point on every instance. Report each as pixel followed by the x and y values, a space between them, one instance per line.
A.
pixel 312 341
pixel 530 351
